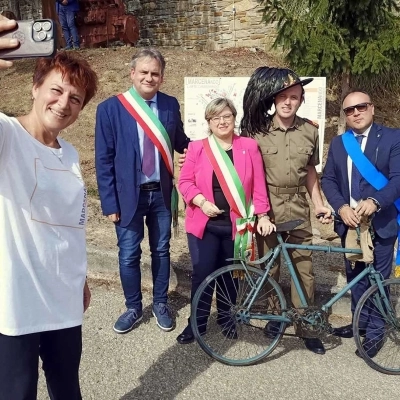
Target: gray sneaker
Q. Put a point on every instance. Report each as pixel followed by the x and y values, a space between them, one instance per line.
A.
pixel 163 316
pixel 128 320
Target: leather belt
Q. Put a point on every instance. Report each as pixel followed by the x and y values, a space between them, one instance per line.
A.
pixel 150 186
pixel 287 190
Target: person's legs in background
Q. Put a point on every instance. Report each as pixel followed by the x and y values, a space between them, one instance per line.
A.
pixel 73 29
pixel 63 18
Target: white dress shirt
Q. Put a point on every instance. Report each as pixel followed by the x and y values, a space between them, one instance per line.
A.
pixel 353 203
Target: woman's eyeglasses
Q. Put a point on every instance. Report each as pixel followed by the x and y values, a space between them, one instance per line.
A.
pixel 362 107
pixel 225 118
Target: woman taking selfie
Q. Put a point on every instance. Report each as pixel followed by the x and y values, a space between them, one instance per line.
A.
pixel 43 289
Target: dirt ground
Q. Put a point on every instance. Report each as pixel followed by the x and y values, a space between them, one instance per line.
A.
pixel 112 66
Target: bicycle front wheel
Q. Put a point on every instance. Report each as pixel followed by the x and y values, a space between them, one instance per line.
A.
pixel 229 315
pixel 377 325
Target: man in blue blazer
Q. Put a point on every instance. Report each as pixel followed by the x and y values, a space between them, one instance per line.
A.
pixel 135 179
pixel 352 197
pixel 66 10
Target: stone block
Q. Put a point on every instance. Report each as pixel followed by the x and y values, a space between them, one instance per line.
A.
pixel 256 36
pixel 241 34
pixel 227 36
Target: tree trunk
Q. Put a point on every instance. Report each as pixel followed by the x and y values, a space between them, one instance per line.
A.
pixel 49 11
pixel 344 89
pixel 14 7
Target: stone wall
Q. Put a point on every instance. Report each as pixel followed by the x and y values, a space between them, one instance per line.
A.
pixel 190 24
pixel 28 8
pixel 204 24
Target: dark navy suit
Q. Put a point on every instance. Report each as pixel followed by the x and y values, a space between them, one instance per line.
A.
pixel 383 150
pixel 118 170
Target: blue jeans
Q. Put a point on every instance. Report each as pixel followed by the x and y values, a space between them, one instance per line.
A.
pixel 70 32
pixel 158 220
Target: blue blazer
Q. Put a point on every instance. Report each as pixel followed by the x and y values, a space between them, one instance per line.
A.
pixel 383 150
pixel 117 155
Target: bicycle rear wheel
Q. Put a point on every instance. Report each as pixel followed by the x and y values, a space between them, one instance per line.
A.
pixel 382 325
pixel 224 324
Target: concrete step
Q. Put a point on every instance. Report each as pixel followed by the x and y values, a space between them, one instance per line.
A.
pixel 328 269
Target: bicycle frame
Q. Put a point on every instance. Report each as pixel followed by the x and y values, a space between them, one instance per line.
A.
pixel 283 247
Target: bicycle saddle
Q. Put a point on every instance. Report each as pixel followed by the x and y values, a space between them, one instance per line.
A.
pixel 288 226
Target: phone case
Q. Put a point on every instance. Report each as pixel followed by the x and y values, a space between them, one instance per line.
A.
pixel 37 39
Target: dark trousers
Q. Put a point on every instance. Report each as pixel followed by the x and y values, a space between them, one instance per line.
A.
pixel 158 220
pixel 209 254
pixel 383 262
pixel 60 352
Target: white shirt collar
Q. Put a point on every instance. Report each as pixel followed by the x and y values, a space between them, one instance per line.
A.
pixel 153 99
pixel 365 133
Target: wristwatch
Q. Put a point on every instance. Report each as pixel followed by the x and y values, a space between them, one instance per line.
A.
pixel 376 202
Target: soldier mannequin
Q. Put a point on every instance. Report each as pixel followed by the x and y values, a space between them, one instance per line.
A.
pixel 289 145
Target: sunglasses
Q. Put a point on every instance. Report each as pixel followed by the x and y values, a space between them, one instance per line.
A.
pixel 362 107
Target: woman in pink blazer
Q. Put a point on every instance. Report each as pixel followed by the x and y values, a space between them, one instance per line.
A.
pixel 208 188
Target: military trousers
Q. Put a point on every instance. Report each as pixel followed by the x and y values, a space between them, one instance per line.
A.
pixel 302 263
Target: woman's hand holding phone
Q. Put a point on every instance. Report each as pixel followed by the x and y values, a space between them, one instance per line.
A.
pixel 7 43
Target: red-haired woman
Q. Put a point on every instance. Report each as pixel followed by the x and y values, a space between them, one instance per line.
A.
pixel 43 289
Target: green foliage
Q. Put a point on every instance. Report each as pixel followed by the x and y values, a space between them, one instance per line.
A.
pixel 325 37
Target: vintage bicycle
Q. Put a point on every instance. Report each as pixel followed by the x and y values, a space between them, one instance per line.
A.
pixel 233 305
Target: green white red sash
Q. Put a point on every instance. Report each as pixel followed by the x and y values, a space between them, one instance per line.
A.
pixel 151 125
pixel 233 190
pixel 155 130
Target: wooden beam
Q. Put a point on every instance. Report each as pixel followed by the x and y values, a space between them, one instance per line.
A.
pixel 49 11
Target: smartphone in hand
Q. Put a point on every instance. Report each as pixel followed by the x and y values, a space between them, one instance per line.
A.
pixel 37 38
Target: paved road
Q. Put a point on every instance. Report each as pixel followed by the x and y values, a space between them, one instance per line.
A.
pixel 148 364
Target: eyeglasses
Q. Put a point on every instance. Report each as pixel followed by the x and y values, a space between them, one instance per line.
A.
pixel 225 118
pixel 362 107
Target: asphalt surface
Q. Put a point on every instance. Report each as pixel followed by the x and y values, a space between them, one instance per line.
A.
pixel 148 364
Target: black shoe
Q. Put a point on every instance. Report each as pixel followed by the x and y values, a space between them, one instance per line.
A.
pixel 347 332
pixel 371 347
pixel 272 329
pixel 230 332
pixel 186 336
pixel 315 345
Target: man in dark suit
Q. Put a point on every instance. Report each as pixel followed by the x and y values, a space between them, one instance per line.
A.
pixel 136 135
pixel 352 197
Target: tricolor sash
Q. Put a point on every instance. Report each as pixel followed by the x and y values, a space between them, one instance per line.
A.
pixel 369 173
pixel 233 190
pixel 155 130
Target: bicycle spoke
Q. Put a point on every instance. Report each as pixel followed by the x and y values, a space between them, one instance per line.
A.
pixel 221 305
pixel 382 322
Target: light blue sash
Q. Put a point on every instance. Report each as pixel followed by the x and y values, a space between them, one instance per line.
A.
pixel 369 173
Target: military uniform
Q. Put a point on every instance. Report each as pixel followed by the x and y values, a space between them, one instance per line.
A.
pixel 286 155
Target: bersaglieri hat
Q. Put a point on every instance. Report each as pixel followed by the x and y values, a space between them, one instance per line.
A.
pixel 279 79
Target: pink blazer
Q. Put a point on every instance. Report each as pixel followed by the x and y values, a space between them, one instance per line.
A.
pixel 196 178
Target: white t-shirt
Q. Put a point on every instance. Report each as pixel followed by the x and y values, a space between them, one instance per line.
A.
pixel 42 233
